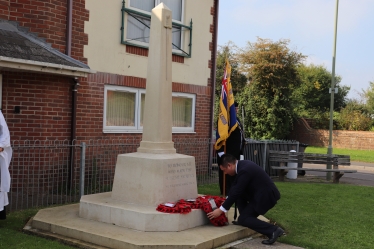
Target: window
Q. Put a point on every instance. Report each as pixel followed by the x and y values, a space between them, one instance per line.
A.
pixel 183 107
pixel 139 22
pixel 124 110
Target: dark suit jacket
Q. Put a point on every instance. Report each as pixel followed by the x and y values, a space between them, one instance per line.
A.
pixel 253 185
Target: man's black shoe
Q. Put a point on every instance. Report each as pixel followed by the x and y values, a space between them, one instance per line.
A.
pixel 279 232
pixel 235 222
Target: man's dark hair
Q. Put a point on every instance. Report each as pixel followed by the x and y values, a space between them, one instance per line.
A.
pixel 226 159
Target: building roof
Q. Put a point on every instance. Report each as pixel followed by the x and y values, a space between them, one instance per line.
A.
pixel 25 51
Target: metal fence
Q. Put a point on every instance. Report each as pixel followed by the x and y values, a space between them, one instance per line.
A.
pixel 258 151
pixel 45 173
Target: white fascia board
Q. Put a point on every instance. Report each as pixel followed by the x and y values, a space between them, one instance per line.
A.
pixel 43 67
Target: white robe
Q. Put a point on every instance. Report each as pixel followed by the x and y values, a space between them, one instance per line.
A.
pixel 5 158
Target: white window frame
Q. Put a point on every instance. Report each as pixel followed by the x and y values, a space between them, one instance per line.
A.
pixel 157 2
pixel 121 129
pixel 137 128
pixel 186 129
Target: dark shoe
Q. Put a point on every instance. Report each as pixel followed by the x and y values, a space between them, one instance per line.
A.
pixel 279 232
pixel 235 222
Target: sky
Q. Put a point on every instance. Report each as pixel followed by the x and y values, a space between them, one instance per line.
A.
pixel 309 25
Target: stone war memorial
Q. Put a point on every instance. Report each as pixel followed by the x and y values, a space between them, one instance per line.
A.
pixel 155 174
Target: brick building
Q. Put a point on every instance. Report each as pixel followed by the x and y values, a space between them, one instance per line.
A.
pixel 80 69
pixel 75 70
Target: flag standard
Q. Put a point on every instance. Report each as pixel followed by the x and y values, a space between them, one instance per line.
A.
pixel 227 113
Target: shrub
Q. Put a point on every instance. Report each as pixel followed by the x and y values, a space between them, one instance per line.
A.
pixel 354 120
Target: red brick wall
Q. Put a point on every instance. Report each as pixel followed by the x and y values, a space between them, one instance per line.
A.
pixel 48 19
pixel 144 52
pixel 45 105
pixel 302 132
pixel 79 38
pixel 91 105
pixel 4 9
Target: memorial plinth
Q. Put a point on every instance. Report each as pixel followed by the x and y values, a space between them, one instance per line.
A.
pixel 155 174
pixel 152 179
pixel 142 181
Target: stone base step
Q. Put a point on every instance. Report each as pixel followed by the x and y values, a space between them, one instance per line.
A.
pixel 64 223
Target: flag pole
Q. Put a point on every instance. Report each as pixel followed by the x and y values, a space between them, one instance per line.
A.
pixel 332 89
pixel 226 122
pixel 224 174
pixel 224 144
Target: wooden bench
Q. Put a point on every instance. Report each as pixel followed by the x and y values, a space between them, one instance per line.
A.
pixel 283 157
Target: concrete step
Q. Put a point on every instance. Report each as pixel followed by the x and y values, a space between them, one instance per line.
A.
pixel 63 223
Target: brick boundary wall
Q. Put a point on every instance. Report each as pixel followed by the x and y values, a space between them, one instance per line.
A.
pixel 302 132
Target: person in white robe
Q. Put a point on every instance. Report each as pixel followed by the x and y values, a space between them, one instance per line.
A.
pixel 5 157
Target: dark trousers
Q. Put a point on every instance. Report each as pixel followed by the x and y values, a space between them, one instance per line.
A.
pixel 3 214
pixel 248 218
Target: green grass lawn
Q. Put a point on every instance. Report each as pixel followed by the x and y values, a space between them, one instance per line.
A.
pixel 356 155
pixel 314 215
pixel 319 215
pixel 12 236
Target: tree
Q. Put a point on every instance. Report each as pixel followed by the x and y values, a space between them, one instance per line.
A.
pixel 369 96
pixel 313 96
pixel 238 80
pixel 271 68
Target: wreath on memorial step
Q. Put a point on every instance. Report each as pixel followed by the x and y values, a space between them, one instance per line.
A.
pixel 201 202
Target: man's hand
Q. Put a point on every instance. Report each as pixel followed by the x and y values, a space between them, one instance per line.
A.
pixel 215 213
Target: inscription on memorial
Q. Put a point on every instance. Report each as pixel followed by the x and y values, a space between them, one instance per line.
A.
pixel 180 174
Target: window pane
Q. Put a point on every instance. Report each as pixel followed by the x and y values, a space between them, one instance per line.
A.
pixel 120 110
pixel 176 37
pixel 176 8
pixel 146 5
pixel 182 112
pixel 136 30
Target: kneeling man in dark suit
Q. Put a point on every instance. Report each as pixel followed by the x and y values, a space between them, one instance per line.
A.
pixel 254 194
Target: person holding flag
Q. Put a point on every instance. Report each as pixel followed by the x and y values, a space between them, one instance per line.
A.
pixel 229 136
